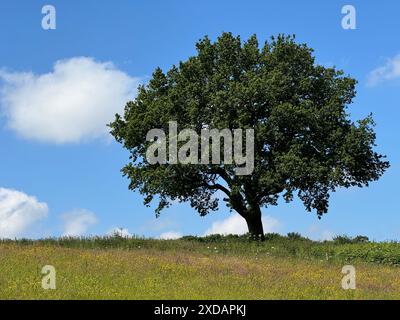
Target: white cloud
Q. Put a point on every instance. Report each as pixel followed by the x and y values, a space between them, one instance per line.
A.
pixel 316 232
pixel 235 224
pixel 73 103
pixel 77 222
pixel 18 212
pixel 327 235
pixel 171 235
pixel 387 72
pixel 122 232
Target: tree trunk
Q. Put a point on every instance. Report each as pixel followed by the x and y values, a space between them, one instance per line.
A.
pixel 254 223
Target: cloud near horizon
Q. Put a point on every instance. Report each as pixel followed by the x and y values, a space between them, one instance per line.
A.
pixel 77 222
pixel 170 235
pixel 235 224
pixel 18 212
pixel 72 103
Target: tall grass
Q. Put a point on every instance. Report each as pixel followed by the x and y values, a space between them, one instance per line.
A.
pixel 341 249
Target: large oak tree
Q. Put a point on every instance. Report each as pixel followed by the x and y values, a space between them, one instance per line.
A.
pixel 305 141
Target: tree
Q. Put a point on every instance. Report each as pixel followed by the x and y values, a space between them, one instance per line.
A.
pixel 305 142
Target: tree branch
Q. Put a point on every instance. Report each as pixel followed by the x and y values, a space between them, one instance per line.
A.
pixel 217 186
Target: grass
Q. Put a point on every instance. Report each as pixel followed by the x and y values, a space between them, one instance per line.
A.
pixel 199 268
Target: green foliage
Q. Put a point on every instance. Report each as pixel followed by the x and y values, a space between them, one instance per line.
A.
pixel 345 239
pixel 294 236
pixel 305 142
pixel 360 239
pixel 342 239
pixel 273 236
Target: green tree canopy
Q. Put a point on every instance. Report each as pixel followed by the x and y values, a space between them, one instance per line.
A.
pixel 305 142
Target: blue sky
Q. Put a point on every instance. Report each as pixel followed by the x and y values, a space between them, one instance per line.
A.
pixel 69 178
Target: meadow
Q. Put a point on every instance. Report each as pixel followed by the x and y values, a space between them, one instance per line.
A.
pixel 213 267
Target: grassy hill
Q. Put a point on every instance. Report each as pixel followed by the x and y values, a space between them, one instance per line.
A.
pixel 214 267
